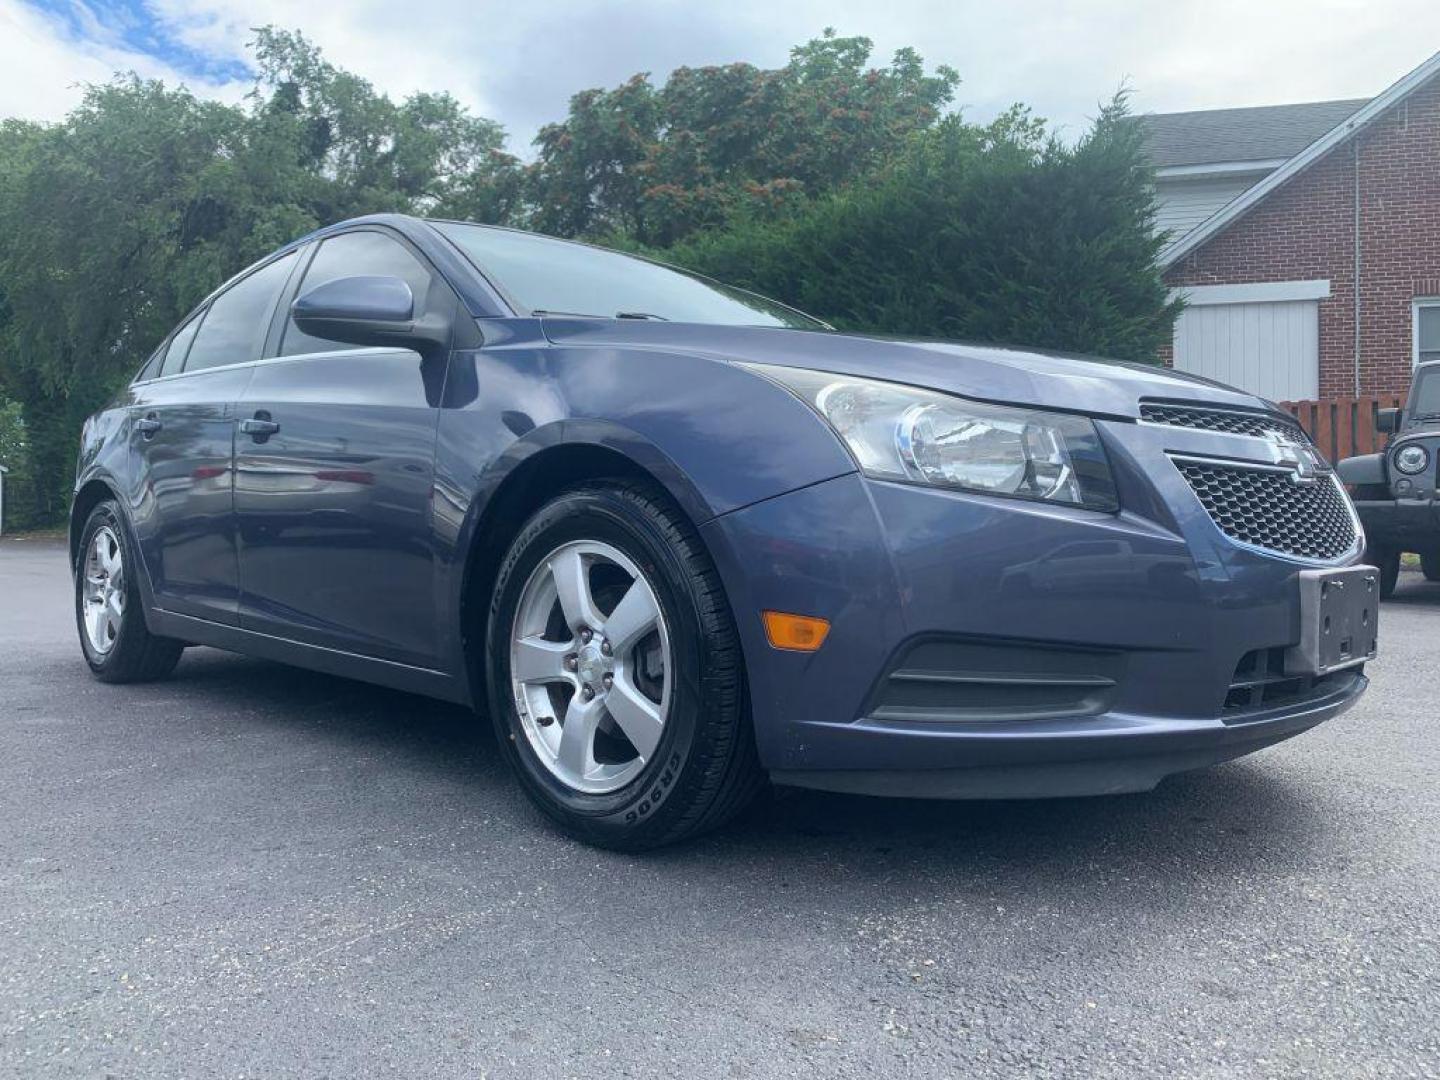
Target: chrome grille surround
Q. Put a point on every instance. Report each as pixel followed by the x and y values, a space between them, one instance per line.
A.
pixel 1269 507
pixel 1224 421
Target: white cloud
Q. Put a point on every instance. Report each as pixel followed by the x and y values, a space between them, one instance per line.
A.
pixel 520 63
pixel 43 70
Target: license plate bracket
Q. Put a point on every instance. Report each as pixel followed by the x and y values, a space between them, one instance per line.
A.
pixel 1339 620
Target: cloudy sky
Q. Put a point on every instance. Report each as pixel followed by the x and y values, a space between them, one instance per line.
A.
pixel 519 63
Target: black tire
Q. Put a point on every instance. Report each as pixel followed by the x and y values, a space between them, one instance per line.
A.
pixel 1430 564
pixel 1388 561
pixel 135 655
pixel 704 769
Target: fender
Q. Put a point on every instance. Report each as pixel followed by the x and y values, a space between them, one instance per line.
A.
pixel 1365 469
pixel 521 397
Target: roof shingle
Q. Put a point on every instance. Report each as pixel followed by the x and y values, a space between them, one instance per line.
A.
pixel 1262 133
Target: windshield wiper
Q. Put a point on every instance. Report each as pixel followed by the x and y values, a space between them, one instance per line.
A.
pixel 586 315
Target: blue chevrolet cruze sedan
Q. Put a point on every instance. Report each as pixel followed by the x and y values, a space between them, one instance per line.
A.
pixel 679 541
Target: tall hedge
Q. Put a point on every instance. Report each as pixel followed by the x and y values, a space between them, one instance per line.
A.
pixel 999 234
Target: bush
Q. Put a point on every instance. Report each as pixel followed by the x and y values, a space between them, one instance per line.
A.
pixel 996 234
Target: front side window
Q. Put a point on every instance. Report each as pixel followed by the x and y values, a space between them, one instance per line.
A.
pixel 558 277
pixel 233 329
pixel 1427 330
pixel 357 254
pixel 179 346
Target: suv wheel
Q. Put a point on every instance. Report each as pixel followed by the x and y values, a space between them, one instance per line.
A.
pixel 1388 560
pixel 117 644
pixel 614 671
pixel 1430 563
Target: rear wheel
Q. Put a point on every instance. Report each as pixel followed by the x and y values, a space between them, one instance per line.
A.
pixel 616 684
pixel 117 644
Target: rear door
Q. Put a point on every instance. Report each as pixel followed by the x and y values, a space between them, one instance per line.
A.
pixel 333 492
pixel 182 428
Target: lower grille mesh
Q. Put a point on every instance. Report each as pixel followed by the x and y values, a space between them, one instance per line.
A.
pixel 1260 682
pixel 1269 509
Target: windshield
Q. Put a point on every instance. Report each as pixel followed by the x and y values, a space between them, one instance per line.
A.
pixel 1426 395
pixel 558 277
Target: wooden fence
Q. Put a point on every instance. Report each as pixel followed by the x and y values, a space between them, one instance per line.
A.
pixel 1343 427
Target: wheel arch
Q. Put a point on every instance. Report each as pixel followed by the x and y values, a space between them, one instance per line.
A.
pixel 89 495
pixel 527 486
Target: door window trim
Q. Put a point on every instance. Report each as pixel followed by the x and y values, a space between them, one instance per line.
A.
pixel 200 310
pixel 269 352
pixel 227 287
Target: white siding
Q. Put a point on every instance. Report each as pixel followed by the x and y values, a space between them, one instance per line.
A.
pixel 1270 349
pixel 1183 204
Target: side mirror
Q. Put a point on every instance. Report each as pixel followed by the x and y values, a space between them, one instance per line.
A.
pixel 376 311
pixel 1387 421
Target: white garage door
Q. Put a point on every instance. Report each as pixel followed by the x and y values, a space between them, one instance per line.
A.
pixel 1269 347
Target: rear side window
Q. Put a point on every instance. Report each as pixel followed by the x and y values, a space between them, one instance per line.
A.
pixel 357 254
pixel 151 368
pixel 178 347
pixel 234 327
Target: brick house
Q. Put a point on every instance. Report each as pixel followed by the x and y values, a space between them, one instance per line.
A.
pixel 1276 213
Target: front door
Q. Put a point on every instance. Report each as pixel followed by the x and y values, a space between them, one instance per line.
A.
pixel 334 467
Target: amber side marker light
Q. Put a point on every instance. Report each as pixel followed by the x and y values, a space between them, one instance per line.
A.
pixel 795 633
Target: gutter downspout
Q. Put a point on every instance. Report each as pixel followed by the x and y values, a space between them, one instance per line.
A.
pixel 1356 154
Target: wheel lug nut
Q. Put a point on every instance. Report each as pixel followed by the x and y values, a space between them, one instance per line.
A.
pixel 609 681
pixel 605 647
pixel 587 693
pixel 571 662
pixel 586 635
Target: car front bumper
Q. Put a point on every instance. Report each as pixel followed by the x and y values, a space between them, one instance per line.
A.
pixel 984 647
pixel 1406 524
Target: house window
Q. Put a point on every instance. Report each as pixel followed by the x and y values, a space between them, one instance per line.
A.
pixel 1427 330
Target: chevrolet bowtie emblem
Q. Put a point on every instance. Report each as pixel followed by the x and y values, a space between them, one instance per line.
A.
pixel 1299 456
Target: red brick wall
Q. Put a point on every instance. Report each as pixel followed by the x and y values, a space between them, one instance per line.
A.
pixel 1306 230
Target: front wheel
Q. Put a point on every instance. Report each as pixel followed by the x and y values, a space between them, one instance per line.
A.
pixel 614 671
pixel 117 644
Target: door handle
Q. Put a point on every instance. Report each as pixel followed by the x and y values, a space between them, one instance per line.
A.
pixel 260 427
pixel 148 426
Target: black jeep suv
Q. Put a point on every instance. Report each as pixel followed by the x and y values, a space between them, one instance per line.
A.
pixel 1395 491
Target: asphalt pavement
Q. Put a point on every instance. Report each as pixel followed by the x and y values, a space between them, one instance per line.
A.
pixel 254 871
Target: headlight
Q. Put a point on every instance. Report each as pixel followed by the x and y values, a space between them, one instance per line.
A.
pixel 1412 459
pixel 903 433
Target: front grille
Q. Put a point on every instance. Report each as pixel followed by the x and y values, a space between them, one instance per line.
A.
pixel 1228 421
pixel 1268 508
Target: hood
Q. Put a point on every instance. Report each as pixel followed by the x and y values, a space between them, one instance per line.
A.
pixel 985 372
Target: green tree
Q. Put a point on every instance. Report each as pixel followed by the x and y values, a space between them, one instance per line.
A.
pixel 15 456
pixel 119 219
pixel 999 233
pixel 657 165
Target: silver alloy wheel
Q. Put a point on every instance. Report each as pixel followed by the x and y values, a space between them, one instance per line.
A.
pixel 104 604
pixel 590 666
